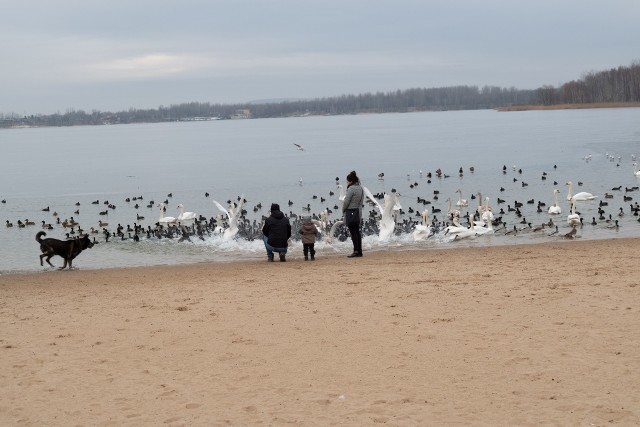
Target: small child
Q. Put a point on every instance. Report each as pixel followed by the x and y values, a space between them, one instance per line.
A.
pixel 309 232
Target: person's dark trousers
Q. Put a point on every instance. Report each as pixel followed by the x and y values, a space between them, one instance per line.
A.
pixel 308 249
pixel 356 238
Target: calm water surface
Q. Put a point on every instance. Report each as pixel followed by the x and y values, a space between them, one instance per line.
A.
pixel 60 167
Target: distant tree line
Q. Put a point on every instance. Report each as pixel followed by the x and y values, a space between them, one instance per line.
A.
pixel 620 84
pixel 438 99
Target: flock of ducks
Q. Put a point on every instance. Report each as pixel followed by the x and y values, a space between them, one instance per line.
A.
pixel 386 216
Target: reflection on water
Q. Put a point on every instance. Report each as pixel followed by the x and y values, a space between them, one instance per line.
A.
pixel 77 166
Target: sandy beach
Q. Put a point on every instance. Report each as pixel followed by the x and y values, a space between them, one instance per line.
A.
pixel 545 334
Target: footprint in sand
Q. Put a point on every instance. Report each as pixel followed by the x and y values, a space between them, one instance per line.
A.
pixel 168 393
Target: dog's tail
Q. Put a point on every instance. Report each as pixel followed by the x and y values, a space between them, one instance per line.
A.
pixel 39 236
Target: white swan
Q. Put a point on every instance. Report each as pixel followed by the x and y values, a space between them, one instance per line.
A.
pixel 324 220
pixel 461 202
pixel 455 228
pixel 332 232
pixel 342 193
pixel 573 218
pixel 579 196
pixel 387 211
pixel 480 208
pixel 555 209
pixel 422 230
pixel 390 213
pixel 484 230
pixel 165 220
pixel 452 213
pixel 186 216
pixel 635 170
pixel 467 232
pixel 233 213
pixel 487 216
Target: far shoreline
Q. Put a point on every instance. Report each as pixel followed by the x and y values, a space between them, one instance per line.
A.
pixel 529 107
pixel 570 106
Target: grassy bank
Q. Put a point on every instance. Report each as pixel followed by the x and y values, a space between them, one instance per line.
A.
pixel 570 106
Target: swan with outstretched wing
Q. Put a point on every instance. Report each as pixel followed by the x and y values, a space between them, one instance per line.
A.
pixel 233 213
pixel 388 212
pixel 373 199
pixel 332 231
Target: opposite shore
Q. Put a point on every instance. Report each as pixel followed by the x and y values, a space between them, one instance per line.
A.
pixel 245 114
pixel 570 106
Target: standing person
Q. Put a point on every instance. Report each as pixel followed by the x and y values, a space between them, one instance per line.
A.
pixel 309 232
pixel 352 210
pixel 276 232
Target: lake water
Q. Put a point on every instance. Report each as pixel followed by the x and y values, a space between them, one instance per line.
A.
pixel 60 168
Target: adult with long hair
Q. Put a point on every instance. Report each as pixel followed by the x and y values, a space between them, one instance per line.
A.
pixel 352 211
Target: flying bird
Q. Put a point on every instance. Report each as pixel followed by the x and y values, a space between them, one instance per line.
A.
pixel 300 147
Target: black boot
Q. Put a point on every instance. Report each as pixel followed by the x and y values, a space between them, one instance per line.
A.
pixel 313 256
pixel 270 258
pixel 282 257
pixel 306 258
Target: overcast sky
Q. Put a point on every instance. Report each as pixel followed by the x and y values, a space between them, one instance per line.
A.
pixel 113 55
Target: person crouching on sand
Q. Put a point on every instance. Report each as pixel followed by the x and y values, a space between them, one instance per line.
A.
pixel 276 231
pixel 309 232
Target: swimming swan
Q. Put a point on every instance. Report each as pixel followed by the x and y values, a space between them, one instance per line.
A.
pixel 555 209
pixel 579 196
pixel 165 220
pixel 423 230
pixel 573 218
pixel 467 232
pixel 484 230
pixel 452 212
pixel 487 216
pixel 185 216
pixel 461 202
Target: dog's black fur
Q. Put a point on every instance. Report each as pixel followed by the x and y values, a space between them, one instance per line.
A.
pixel 67 249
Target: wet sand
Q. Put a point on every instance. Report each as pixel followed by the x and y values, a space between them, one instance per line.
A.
pixel 544 334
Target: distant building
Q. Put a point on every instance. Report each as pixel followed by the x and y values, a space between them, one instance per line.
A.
pixel 242 114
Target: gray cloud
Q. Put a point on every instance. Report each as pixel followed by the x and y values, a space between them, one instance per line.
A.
pixel 120 54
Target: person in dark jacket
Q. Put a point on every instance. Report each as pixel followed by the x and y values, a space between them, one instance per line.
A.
pixel 276 231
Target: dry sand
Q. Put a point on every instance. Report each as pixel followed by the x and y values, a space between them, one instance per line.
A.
pixel 544 334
